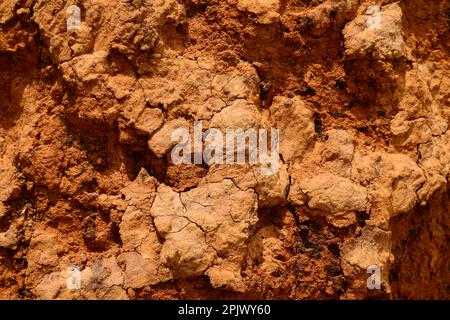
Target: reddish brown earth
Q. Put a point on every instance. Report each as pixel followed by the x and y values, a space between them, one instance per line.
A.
pixel 86 177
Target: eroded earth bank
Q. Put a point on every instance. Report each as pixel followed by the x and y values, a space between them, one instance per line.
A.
pixel 88 185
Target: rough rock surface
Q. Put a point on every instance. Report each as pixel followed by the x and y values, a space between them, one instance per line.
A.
pixel 93 207
pixel 383 42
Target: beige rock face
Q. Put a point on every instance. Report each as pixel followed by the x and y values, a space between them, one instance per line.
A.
pixel 87 67
pixel 7 11
pixel 385 42
pixel 8 239
pixel 372 248
pixel 199 88
pixel 161 142
pixel 393 181
pixel 168 212
pixel 138 115
pixel 8 179
pixel 420 117
pixel 106 278
pixel 435 161
pixel 265 10
pixel 238 115
pixel 150 120
pixel 102 279
pixel 47 247
pixel 200 225
pixel 294 120
pixel 334 195
pixel 92 206
pixel 338 152
pixel 265 246
pixel 410 132
pixel 271 189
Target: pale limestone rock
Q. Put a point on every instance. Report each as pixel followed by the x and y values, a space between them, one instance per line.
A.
pixel 197 88
pixel 235 85
pixel 240 114
pixel 161 142
pixel 383 43
pixel 139 236
pixel 294 121
pixel 134 106
pixel 113 293
pixel 320 18
pixel 184 247
pixel 265 246
pixel 167 10
pixel 143 266
pixel 163 91
pixel 10 182
pixel 119 26
pixel 84 43
pixel 226 276
pixel 392 181
pixel 435 156
pixel 215 205
pixel 121 85
pixel 271 189
pixel 136 223
pixel 45 248
pixel 168 212
pixel 134 228
pixel 141 192
pixel 372 248
pixel 138 272
pixel 50 286
pixel 421 124
pixel 267 11
pixel 435 183
pixel 103 279
pixel 86 67
pixel 107 272
pixel 410 132
pixel 435 161
pixel 421 115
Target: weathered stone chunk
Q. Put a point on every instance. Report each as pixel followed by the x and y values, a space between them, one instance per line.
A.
pixel 294 121
pixel 161 142
pixel 385 42
pixel 266 10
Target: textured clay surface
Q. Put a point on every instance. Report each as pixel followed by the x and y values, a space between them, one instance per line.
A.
pixel 87 181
